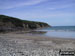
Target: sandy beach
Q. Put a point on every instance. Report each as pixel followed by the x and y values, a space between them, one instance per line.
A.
pixel 12 44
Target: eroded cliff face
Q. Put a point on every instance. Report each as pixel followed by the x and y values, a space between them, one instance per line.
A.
pixel 35 25
pixel 13 24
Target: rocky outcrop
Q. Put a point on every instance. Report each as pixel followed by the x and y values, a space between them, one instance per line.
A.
pixel 12 24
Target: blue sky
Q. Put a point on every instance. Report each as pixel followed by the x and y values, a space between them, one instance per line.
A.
pixel 54 12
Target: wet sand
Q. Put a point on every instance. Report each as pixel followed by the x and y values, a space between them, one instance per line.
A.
pixel 12 44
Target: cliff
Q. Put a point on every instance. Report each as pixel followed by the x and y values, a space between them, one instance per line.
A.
pixel 8 23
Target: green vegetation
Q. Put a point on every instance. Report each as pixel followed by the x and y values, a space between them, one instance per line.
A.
pixel 7 22
pixel 15 21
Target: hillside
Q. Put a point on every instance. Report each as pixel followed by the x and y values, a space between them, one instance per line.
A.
pixel 8 23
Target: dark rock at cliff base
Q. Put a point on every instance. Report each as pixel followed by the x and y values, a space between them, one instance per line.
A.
pixel 8 23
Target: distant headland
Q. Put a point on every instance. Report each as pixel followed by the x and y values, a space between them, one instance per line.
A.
pixel 8 23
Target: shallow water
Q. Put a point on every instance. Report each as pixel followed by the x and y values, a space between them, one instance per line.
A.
pixel 61 32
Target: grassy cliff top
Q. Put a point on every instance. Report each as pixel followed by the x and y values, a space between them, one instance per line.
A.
pixel 4 18
pixel 18 22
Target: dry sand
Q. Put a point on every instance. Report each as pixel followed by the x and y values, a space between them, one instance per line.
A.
pixel 12 44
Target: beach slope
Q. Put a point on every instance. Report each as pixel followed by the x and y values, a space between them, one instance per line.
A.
pixel 12 44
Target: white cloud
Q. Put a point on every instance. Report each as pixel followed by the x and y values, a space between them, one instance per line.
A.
pixel 17 3
pixel 61 6
pixel 44 16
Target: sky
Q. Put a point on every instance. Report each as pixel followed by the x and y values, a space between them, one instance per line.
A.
pixel 53 12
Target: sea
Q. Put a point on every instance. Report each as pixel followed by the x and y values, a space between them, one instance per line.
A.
pixel 59 31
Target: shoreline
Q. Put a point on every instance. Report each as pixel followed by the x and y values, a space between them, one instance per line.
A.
pixel 29 33
pixel 31 36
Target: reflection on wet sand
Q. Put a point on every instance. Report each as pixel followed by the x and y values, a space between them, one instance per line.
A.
pixel 32 32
